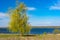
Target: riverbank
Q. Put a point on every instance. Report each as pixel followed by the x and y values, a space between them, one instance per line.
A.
pixel 31 37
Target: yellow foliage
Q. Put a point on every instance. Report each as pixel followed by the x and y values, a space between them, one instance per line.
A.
pixel 18 20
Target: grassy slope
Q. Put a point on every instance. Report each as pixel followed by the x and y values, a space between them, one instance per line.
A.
pixel 36 37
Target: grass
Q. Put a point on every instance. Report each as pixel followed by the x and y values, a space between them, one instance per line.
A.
pixel 8 35
pixel 35 37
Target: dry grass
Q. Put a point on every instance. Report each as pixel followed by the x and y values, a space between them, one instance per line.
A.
pixel 36 37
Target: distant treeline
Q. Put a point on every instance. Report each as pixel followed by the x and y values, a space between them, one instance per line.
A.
pixel 45 26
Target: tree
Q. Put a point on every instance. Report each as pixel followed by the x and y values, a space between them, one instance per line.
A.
pixel 19 20
pixel 56 31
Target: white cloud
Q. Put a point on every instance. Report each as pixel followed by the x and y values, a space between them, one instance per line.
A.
pixel 44 21
pixel 56 6
pixel 4 19
pixel 2 15
pixel 31 8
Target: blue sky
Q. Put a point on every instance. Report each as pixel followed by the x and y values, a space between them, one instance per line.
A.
pixel 40 12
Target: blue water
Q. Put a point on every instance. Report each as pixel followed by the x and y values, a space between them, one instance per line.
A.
pixel 33 30
pixel 41 30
